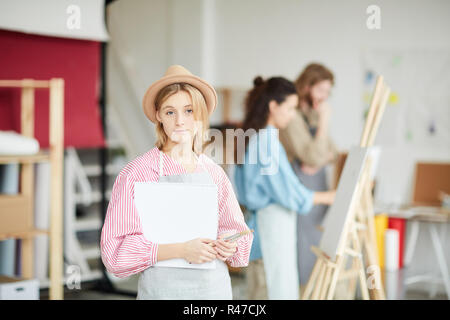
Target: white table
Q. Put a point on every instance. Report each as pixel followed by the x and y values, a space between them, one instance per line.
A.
pixel 432 218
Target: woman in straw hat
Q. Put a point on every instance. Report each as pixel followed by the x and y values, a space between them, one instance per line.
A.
pixel 179 104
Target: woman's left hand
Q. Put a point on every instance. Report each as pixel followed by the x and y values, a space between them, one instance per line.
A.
pixel 225 249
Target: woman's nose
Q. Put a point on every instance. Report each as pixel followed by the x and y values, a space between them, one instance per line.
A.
pixel 180 119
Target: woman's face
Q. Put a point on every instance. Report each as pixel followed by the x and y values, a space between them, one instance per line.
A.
pixel 320 92
pixel 281 114
pixel 177 117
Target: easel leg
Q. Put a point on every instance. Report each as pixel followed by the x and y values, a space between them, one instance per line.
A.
pixel 319 281
pixel 334 277
pixel 312 279
pixel 367 237
pixel 362 274
pixel 326 282
pixel 376 293
pixel 352 281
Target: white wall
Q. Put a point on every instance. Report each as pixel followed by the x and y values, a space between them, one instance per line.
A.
pixel 230 42
pixel 268 38
pixel 146 38
pixel 81 19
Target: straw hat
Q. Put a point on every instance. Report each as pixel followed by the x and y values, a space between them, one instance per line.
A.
pixel 177 74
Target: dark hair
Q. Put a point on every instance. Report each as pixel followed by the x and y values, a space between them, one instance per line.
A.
pixel 258 98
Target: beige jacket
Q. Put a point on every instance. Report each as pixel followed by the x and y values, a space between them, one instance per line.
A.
pixel 299 143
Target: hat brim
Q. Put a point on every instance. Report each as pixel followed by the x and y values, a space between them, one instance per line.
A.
pixel 208 92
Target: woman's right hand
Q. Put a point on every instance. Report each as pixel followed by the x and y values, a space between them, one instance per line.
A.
pixel 324 111
pixel 199 250
pixel 330 196
pixel 324 197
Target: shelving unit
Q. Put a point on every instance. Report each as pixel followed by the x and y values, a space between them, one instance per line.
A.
pixel 21 205
pixel 83 195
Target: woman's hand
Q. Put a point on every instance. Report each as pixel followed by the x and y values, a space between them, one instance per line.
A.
pixel 324 110
pixel 225 249
pixel 199 250
pixel 324 197
pixel 310 170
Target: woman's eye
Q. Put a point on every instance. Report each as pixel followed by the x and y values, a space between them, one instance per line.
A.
pixel 189 110
pixel 169 113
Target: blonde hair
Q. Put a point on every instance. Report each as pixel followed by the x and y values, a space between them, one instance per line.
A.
pixel 200 114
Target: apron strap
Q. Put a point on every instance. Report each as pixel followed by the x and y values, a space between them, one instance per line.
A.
pixel 161 164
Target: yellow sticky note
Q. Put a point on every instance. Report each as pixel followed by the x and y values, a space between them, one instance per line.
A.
pixel 393 98
pixel 367 97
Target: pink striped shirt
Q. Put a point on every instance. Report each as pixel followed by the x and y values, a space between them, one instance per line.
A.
pixel 124 249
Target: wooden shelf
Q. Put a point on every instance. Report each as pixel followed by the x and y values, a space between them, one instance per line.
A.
pixel 18 209
pixel 23 234
pixel 32 158
pixel 25 83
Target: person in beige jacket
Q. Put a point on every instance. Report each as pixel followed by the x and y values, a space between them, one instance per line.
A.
pixel 309 149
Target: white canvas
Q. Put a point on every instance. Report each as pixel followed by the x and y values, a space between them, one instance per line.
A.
pixel 177 212
pixel 336 219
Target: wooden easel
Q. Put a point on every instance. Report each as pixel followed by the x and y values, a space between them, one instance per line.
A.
pixel 359 234
pixel 365 217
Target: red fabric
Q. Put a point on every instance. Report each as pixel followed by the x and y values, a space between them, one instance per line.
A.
pixel 399 225
pixel 41 58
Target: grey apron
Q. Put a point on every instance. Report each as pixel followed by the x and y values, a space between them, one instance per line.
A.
pixel 307 233
pixel 277 228
pixel 156 283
